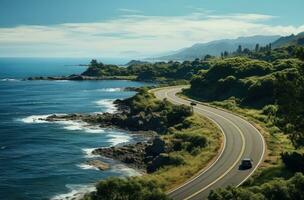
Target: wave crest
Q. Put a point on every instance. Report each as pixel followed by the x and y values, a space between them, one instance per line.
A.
pixel 10 79
pixel 67 124
pixel 107 104
pixel 86 166
pixel 89 153
pixel 77 192
pixel 110 89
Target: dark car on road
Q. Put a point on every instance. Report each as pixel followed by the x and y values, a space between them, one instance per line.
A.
pixel 246 163
pixel 193 103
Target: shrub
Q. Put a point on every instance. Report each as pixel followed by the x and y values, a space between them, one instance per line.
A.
pixel 270 110
pixel 192 140
pixel 127 189
pixel 276 189
pixel 293 161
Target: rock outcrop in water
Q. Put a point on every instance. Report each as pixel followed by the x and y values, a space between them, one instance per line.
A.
pixel 98 164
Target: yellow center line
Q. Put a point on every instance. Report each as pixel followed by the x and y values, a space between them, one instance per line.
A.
pixel 237 160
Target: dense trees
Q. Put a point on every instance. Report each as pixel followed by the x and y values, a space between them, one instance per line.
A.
pixel 247 79
pixel 290 98
pixel 127 189
pixel 293 161
pixel 277 189
pixel 253 81
pixel 148 71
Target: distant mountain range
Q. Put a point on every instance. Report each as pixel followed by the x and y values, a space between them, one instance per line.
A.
pixel 215 48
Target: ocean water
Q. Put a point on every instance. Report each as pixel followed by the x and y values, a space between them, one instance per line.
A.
pixel 25 67
pixel 43 160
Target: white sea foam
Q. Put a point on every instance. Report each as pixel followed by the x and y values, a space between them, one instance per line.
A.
pixel 105 90
pixel 126 171
pixel 89 154
pixel 9 79
pixel 86 166
pixel 107 105
pixel 117 138
pixel 76 192
pixel 72 125
pixel 66 124
pixel 62 81
pixel 109 89
pixel 35 119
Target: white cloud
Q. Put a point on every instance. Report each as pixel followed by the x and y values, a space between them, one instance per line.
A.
pixel 126 10
pixel 140 34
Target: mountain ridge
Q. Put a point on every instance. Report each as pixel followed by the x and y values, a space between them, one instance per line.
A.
pixel 216 47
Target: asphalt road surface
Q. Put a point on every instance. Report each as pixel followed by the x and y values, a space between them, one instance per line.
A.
pixel 241 140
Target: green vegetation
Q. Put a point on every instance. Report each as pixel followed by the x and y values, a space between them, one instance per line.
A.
pixel 275 87
pixel 187 149
pixel 159 71
pixel 148 113
pixel 127 189
pixel 276 189
pixel 293 161
pixel 186 144
pixel 264 85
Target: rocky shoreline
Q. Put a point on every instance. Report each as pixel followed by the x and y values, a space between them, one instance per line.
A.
pixel 143 156
pixel 146 156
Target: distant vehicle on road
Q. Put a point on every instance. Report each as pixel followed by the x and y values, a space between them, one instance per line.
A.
pixel 246 163
pixel 193 103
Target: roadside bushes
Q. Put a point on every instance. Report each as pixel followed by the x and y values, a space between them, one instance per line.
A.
pixel 189 141
pixel 127 189
pixel 165 159
pixel 276 189
pixel 293 161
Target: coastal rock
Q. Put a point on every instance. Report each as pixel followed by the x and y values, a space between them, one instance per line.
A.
pixel 76 77
pixel 147 156
pixel 98 164
pixel 158 146
pixel 131 154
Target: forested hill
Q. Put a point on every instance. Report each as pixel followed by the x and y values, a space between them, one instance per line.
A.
pixel 290 40
pixel 216 47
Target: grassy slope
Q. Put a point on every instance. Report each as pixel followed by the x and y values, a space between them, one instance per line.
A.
pixel 172 176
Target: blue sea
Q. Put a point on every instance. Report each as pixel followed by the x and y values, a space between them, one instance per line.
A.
pixel 43 160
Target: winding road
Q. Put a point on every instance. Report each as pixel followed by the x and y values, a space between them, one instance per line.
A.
pixel 241 140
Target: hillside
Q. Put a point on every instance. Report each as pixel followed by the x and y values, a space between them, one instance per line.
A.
pixel 215 48
pixel 289 40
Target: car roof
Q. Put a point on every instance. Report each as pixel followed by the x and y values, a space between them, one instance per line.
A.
pixel 246 159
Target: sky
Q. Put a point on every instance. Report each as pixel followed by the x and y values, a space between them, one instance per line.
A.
pixel 136 29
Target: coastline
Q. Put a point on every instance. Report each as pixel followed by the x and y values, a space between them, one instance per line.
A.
pixel 77 77
pixel 65 138
pixel 143 162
